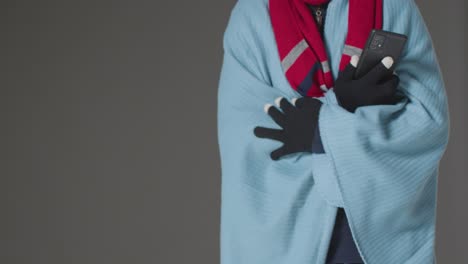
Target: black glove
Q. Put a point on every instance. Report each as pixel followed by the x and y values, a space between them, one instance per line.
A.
pixel 377 87
pixel 299 124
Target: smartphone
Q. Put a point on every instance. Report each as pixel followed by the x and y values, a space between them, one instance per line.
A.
pixel 379 45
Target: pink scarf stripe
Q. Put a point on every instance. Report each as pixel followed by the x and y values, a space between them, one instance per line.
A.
pixel 300 44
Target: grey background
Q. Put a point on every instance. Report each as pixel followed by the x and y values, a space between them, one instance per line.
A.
pixel 108 130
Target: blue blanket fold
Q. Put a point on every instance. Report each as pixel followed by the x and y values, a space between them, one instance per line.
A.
pixel 381 163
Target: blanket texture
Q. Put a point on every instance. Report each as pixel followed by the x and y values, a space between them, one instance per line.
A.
pixel 381 162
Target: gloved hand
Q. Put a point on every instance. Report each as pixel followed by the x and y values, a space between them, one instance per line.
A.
pixel 298 122
pixel 377 87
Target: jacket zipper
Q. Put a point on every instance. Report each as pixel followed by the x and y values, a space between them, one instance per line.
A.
pixel 319 16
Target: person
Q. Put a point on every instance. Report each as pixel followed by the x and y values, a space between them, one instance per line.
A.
pixel 326 194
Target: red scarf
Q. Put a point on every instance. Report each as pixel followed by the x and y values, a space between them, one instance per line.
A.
pixel 301 49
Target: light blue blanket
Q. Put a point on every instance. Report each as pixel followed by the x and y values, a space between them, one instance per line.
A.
pixel 381 163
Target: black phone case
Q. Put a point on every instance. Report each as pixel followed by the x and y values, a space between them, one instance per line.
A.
pixel 379 45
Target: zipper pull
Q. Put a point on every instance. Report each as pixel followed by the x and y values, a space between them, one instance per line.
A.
pixel 318 15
